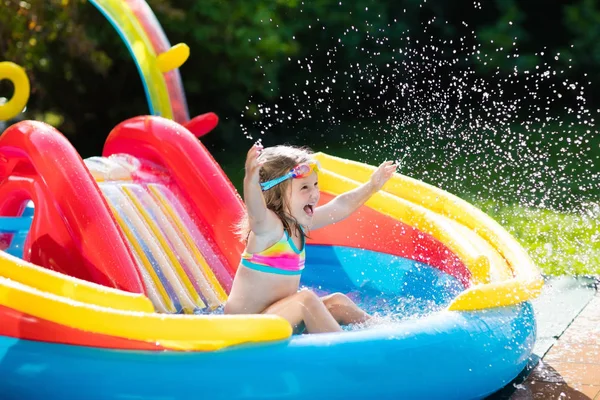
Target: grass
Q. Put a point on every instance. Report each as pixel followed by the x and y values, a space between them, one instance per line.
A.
pixel 560 243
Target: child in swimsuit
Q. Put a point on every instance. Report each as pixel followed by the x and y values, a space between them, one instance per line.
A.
pixel 281 193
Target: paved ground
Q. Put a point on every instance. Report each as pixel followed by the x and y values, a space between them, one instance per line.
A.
pixel 566 360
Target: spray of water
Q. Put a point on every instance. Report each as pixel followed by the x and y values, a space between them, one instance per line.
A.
pixel 521 144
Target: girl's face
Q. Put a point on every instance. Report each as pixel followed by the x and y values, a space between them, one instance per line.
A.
pixel 303 196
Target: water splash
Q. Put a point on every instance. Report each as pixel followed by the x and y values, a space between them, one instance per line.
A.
pixel 523 137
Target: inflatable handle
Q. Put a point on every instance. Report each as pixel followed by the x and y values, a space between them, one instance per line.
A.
pixel 202 124
pixel 17 75
pixel 173 58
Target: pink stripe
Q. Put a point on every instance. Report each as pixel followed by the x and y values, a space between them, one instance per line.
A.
pixel 285 263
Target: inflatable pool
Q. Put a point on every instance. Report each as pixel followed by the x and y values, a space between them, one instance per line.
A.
pixel 129 257
pixel 111 285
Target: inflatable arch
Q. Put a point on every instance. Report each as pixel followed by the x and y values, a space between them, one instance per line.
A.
pixel 156 60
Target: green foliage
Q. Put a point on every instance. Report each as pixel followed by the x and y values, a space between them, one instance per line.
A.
pixel 336 38
pixel 582 20
pixel 245 53
pixel 499 41
pixel 229 41
pixel 29 29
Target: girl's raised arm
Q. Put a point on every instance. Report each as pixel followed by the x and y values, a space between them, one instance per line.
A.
pixel 346 203
pixel 260 218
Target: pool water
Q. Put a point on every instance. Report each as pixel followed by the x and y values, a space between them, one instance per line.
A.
pixel 390 288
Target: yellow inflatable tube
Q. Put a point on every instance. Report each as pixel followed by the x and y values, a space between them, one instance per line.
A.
pixel 176 332
pixel 58 284
pixel 20 81
pixel 526 282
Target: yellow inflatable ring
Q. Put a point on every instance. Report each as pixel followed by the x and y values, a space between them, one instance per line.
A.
pixel 18 77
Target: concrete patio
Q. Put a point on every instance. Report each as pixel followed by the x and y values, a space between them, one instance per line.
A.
pixel 566 360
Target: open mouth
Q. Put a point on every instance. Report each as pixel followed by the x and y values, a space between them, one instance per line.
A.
pixel 309 209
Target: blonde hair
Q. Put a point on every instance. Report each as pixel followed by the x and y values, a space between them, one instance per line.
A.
pixel 278 160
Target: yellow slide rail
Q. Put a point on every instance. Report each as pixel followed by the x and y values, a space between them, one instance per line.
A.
pixel 58 284
pixel 175 332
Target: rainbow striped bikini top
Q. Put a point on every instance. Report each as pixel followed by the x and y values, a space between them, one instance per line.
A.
pixel 282 258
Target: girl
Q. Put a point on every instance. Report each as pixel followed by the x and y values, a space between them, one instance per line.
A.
pixel 281 193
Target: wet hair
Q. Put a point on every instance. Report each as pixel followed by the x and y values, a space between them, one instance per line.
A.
pixel 278 160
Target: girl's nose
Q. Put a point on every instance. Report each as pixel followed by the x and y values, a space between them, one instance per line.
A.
pixel 314 194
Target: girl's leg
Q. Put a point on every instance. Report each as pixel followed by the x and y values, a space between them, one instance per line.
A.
pixel 344 310
pixel 305 306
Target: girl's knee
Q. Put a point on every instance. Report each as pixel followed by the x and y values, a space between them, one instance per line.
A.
pixel 310 301
pixel 337 299
pixel 308 296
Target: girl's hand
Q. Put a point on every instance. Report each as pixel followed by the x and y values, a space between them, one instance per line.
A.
pixel 252 163
pixel 383 174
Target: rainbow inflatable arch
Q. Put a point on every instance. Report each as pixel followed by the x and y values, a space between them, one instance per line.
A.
pixel 128 257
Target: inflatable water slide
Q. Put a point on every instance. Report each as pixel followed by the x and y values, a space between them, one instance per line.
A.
pixel 129 256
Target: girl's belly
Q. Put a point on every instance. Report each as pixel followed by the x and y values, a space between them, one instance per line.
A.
pixel 253 291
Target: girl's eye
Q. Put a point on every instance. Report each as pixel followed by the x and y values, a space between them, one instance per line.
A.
pixel 304 187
